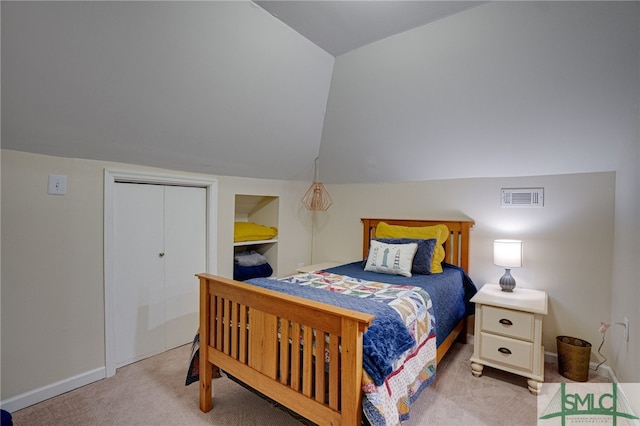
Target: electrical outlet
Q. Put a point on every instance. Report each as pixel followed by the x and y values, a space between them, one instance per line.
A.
pixel 626 329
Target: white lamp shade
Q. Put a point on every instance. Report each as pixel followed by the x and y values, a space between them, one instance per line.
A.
pixel 507 253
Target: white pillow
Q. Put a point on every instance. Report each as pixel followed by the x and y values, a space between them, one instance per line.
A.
pixel 392 259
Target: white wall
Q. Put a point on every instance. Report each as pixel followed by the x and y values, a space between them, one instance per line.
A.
pixel 52 292
pixel 626 267
pixel 567 244
pixel 52 313
pixel 504 89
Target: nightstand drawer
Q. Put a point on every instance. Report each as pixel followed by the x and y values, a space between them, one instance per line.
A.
pixel 507 351
pixel 507 322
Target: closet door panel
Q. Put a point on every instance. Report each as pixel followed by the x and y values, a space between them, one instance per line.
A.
pixel 139 290
pixel 185 256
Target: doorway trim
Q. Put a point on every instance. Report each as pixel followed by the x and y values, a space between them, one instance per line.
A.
pixel 113 176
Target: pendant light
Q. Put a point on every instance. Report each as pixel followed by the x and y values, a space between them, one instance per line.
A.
pixel 317 197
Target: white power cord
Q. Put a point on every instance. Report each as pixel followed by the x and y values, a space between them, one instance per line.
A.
pixel 604 326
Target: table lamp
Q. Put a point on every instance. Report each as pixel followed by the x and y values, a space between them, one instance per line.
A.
pixel 507 253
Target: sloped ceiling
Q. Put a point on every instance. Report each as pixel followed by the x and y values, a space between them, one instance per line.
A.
pixel 220 88
pixel 342 26
pixel 225 88
pixel 210 87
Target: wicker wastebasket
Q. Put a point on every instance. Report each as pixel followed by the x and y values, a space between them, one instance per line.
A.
pixel 573 358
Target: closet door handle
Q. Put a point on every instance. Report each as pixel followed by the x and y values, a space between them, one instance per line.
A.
pixel 504 351
pixel 506 322
pixel 161 254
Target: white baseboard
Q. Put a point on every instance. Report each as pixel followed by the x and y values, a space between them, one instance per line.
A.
pixel 603 370
pixel 54 389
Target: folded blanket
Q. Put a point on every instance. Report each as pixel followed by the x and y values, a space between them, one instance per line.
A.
pixel 243 273
pixel 249 258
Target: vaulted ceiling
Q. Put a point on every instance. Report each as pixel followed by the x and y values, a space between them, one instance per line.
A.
pixel 342 26
pixel 227 88
pixel 210 87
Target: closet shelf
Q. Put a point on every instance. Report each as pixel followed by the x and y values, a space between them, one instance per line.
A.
pixel 252 243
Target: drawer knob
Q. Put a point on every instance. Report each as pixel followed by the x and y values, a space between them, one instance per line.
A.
pixel 504 351
pixel 505 322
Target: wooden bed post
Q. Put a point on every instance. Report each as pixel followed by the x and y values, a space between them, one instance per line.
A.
pixel 351 405
pixel 465 229
pixel 205 368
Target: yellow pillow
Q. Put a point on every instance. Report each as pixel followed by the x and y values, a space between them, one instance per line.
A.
pixel 248 231
pixel 440 232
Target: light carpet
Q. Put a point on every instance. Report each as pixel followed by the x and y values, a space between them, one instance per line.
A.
pixel 152 392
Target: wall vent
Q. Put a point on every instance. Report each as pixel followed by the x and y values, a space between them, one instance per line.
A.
pixel 522 197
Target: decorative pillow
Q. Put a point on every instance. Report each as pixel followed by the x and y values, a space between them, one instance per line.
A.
pixel 440 232
pixel 392 259
pixel 248 231
pixel 424 255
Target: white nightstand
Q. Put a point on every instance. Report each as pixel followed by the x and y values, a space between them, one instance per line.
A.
pixel 316 267
pixel 508 332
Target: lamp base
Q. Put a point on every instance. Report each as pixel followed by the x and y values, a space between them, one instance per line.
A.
pixel 507 282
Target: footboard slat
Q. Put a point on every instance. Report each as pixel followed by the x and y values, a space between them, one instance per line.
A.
pixel 334 372
pixel 227 323
pixel 307 360
pixel 235 330
pixel 285 348
pixel 319 367
pixel 243 342
pixel 219 325
pixel 277 343
pixel 295 357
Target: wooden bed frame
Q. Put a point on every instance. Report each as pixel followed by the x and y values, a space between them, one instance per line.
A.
pixel 243 332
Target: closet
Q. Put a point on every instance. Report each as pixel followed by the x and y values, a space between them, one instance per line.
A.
pixel 261 210
pixel 159 243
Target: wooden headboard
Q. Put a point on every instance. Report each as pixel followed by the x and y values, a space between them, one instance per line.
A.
pixel 456 248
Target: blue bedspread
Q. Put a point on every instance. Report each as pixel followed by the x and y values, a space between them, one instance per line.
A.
pixel 451 301
pixel 385 340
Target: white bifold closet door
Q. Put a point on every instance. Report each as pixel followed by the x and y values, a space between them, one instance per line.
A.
pixel 159 245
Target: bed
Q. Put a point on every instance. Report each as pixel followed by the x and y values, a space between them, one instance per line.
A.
pixel 257 335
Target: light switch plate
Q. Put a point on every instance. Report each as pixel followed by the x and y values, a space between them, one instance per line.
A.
pixel 57 185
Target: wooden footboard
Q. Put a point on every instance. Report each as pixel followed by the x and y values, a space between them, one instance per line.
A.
pixel 257 335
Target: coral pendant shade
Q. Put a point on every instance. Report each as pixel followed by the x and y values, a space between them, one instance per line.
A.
pixel 317 197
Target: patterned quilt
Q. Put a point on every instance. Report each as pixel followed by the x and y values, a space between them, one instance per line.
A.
pixel 388 403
